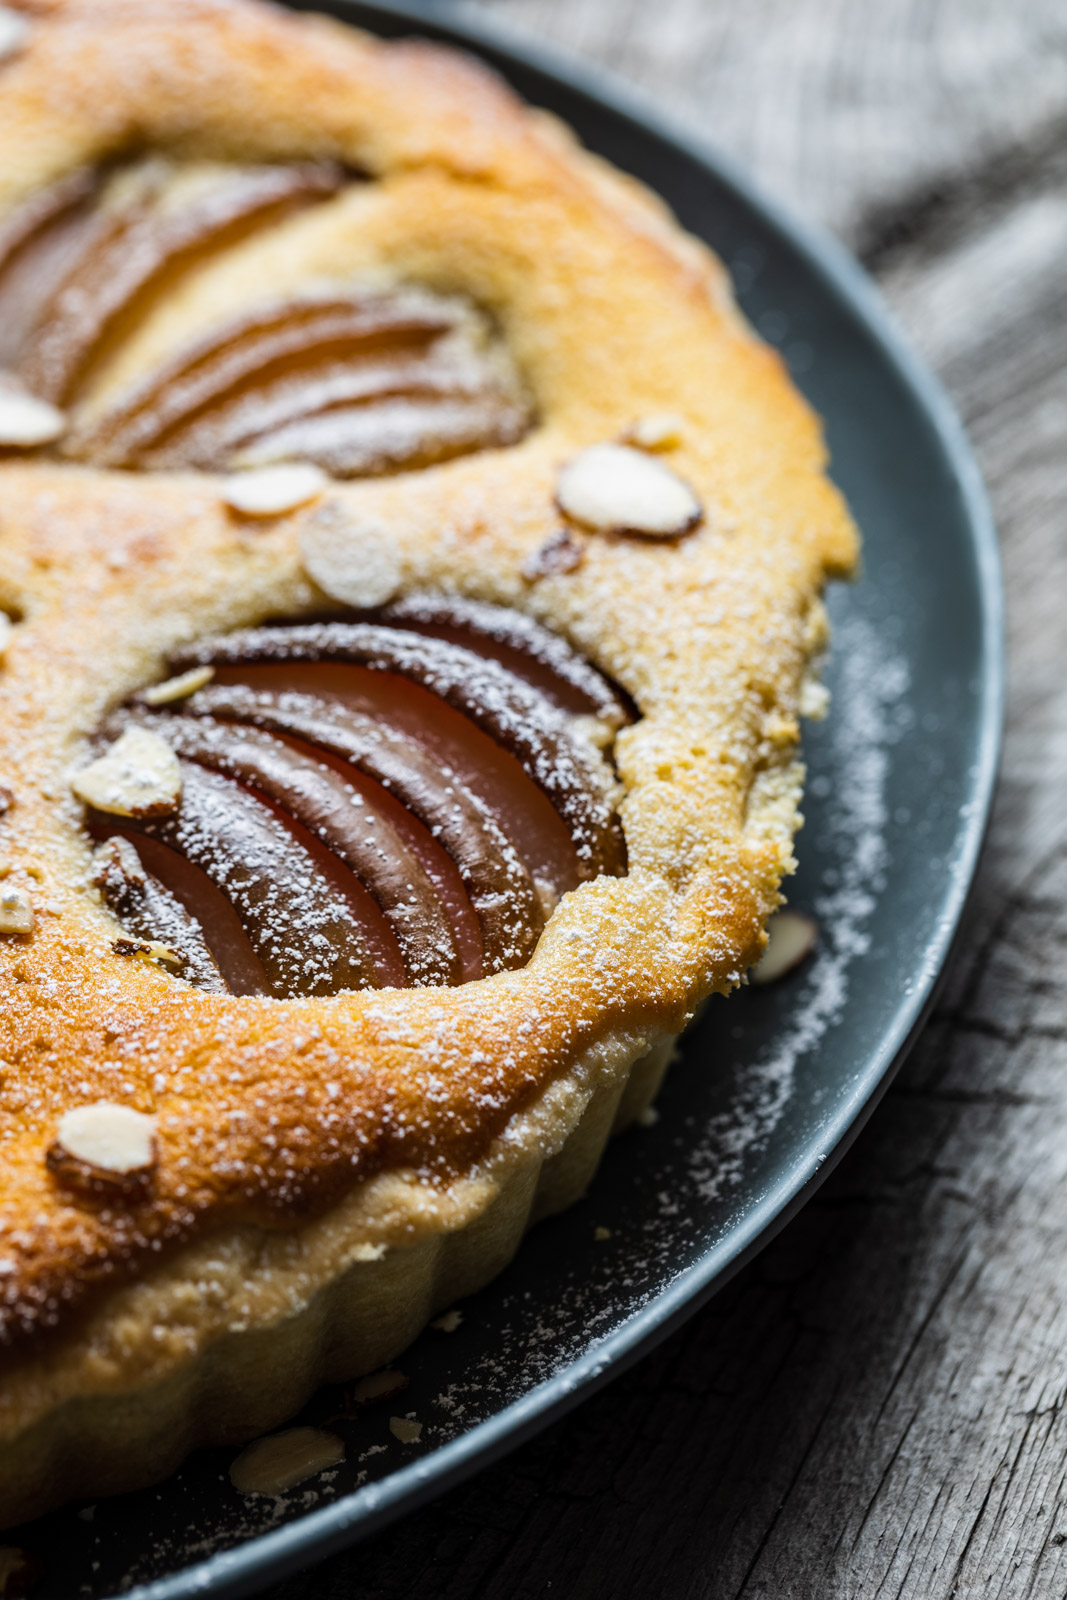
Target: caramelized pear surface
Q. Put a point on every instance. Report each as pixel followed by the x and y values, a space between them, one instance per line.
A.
pixel 360 381
pixel 143 232
pixel 364 805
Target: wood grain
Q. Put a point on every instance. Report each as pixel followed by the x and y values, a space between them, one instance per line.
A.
pixel 876 1407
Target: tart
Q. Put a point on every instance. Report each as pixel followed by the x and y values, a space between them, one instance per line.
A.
pixel 411 568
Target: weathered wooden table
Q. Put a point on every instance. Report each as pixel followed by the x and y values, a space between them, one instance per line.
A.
pixel 875 1407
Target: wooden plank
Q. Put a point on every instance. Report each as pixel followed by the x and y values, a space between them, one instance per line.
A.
pixel 875 1408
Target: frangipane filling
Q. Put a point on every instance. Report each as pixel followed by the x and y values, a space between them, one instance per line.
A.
pixel 392 801
pixel 357 380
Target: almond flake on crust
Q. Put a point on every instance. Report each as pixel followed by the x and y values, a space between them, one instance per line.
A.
pixel 7 627
pixel 352 559
pixel 282 1460
pixel 272 491
pixel 790 937
pixel 16 911
pixel 379 1386
pixel 660 430
pixel 613 488
pixel 14 35
pixel 26 421
pixel 561 552
pixel 138 777
pixel 113 1140
pixel 179 688
pixel 406 1429
pixel 152 950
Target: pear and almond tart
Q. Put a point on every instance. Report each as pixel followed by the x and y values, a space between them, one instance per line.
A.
pixel 410 576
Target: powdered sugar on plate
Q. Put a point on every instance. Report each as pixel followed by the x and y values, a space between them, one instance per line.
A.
pixel 869 714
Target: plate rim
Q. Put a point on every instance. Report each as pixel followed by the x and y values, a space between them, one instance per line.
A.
pixel 272 1556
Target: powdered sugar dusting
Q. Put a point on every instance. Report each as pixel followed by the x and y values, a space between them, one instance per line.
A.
pixel 535 1340
pixel 666 1193
pixel 866 717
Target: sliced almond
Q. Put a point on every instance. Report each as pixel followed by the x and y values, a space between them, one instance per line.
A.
pixel 26 421
pixel 14 35
pixel 111 1137
pixel 352 559
pixel 7 628
pixel 613 488
pixel 791 936
pixel 19 1572
pixel 379 1386
pixel 272 491
pixel 448 1322
pixel 138 777
pixel 16 911
pixel 7 800
pixel 179 688
pixel 104 1147
pixel 661 430
pixel 157 951
pixel 150 950
pixel 282 1460
pixel 814 700
pixel 406 1429
pixel 561 552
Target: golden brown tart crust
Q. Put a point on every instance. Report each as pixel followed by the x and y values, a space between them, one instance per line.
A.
pixel 273 1113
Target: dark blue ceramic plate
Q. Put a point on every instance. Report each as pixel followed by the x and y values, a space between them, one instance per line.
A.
pixel 773 1084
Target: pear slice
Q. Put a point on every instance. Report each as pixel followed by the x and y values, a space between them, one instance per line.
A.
pixel 344 821
pixel 524 816
pixel 517 717
pixel 139 242
pixel 39 242
pixel 258 351
pixel 313 380
pixel 359 385
pixel 151 912
pixel 541 657
pixel 501 890
pixel 210 912
pixel 299 911
pixel 366 805
pixel 405 432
